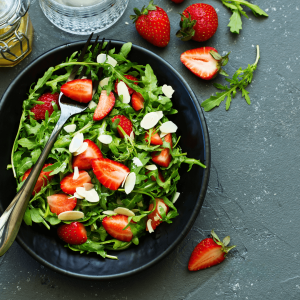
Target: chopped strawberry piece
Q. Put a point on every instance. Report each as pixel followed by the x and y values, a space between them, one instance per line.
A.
pixel 163 158
pixel 74 233
pixel 160 176
pixel 155 138
pixel 155 216
pixel 39 110
pixel 124 123
pixel 69 185
pixel 105 105
pixel 84 160
pixel 59 203
pixel 42 181
pixel 130 90
pixel 80 90
pixel 137 101
pixel 114 226
pixel 110 173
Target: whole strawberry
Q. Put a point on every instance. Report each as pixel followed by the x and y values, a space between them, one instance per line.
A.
pixel 177 1
pixel 153 24
pixel 199 22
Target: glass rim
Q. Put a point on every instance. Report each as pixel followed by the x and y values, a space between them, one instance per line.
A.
pixel 67 7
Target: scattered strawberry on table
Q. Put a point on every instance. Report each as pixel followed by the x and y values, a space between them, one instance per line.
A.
pixel 209 252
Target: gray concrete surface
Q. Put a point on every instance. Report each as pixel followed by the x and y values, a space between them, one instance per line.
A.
pixel 253 192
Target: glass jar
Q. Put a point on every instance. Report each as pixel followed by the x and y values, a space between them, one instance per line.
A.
pixel 16 32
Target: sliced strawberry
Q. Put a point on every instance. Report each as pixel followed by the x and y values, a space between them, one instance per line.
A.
pixel 130 90
pixel 69 185
pixel 163 158
pixel 80 90
pixel 59 203
pixel 39 110
pixel 155 138
pixel 84 160
pixel 137 101
pixel 41 179
pixel 105 105
pixel 114 226
pixel 155 216
pixel 160 176
pixel 74 233
pixel 124 123
pixel 110 173
pixel 209 252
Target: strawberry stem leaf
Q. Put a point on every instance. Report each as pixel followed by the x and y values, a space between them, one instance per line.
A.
pixel 186 24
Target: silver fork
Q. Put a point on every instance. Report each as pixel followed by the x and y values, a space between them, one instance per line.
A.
pixel 11 219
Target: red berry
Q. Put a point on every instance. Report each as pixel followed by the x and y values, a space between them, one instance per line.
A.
pixel 105 105
pixel 59 203
pixel 80 90
pixel 130 90
pixel 74 233
pixel 137 101
pixel 155 216
pixel 164 157
pixel 124 123
pixel 39 110
pixel 69 185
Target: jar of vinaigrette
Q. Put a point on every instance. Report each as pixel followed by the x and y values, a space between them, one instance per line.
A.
pixel 16 32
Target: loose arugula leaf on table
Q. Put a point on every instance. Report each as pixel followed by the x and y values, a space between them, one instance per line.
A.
pixel 235 23
pixel 239 81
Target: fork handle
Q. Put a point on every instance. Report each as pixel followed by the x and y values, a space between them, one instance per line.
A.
pixel 11 219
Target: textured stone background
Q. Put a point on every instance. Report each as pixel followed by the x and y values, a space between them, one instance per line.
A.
pixel 253 192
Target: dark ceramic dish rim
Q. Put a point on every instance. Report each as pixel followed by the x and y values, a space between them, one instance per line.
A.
pixel 201 196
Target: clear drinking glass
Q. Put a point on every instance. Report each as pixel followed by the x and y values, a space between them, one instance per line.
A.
pixel 83 16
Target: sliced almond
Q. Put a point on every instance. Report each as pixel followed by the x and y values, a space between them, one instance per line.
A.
pixel 137 162
pixel 149 120
pixel 105 139
pixel 151 167
pixel 123 90
pixel 162 134
pixel 101 58
pixel 124 211
pixel 122 185
pixel 76 173
pixel 167 90
pixel 70 128
pixel 81 149
pixel 132 135
pixel 176 196
pixel 109 212
pixel 88 186
pixel 92 104
pixel 92 196
pixel 81 191
pixel 76 195
pixel 104 81
pixel 160 114
pixel 76 142
pixel 156 218
pixel 168 127
pixel 72 197
pixel 71 215
pixel 150 229
pixel 130 183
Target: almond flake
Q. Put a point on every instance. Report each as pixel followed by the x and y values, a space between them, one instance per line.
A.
pixel 160 114
pixel 122 185
pixel 104 81
pixel 88 186
pixel 176 196
pixel 168 127
pixel 81 191
pixel 70 128
pixel 130 183
pixel 101 58
pixel 137 162
pixel 151 167
pixel 124 211
pixel 76 142
pixel 150 229
pixel 109 212
pixel 76 195
pixel 92 196
pixel 132 135
pixel 149 120
pixel 92 104
pixel 81 149
pixel 123 90
pixel 76 173
pixel 162 134
pixel 105 139
pixel 167 90
pixel 71 215
pixel 156 218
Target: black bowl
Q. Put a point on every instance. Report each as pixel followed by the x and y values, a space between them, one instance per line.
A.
pixel 44 245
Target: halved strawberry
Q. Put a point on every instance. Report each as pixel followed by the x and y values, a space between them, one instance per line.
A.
pixel 155 216
pixel 43 179
pixel 163 158
pixel 74 233
pixel 124 123
pixel 69 185
pixel 105 105
pixel 110 173
pixel 155 138
pixel 160 176
pixel 59 203
pixel 204 62
pixel 114 226
pixel 84 160
pixel 80 90
pixel 137 101
pixel 130 90
pixel 209 252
